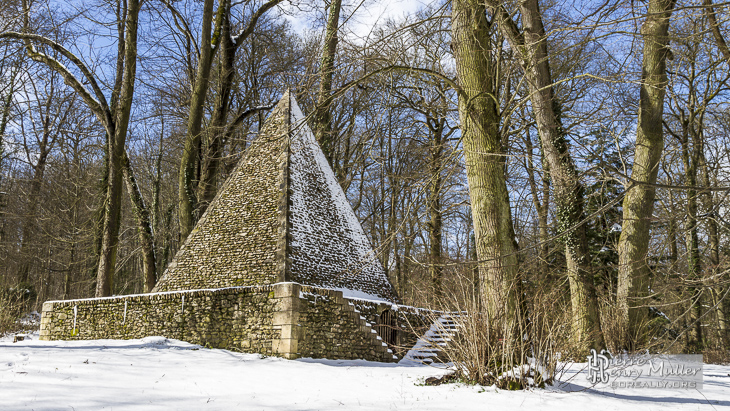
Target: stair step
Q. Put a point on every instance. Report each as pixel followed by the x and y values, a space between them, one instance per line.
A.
pixel 430 347
pixel 423 359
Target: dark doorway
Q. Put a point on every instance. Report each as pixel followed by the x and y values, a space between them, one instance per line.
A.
pixel 386 327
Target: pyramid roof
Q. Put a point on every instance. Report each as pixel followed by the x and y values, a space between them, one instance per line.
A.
pixel 281 216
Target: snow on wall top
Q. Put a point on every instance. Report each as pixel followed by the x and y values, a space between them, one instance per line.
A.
pixel 280 216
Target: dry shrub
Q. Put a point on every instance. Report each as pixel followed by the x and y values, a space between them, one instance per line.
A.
pixel 613 329
pixel 719 355
pixel 513 353
pixel 11 304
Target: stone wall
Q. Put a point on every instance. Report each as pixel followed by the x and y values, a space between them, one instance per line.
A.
pixel 284 319
pixel 410 322
pixel 333 328
pixel 239 318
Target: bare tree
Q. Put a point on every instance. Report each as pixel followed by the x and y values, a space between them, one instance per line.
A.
pixel 638 202
pixel 211 39
pixel 484 155
pixel 321 120
pixel 531 45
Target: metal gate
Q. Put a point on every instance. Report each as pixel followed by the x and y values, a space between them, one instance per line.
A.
pixel 386 327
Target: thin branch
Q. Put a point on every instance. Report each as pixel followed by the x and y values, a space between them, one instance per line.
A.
pixel 244 33
pixel 98 105
pixel 185 29
pixel 239 119
pixel 715 28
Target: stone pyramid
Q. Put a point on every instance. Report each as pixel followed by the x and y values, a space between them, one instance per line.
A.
pixel 280 217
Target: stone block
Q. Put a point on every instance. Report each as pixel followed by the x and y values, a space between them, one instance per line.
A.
pixel 285 317
pixel 289 303
pixel 282 290
pixel 47 307
pixel 291 331
pixel 286 347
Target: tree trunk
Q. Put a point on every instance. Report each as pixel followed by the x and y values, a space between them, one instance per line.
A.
pixel 157 218
pixel 29 230
pixel 208 185
pixel 406 266
pixel 142 216
pixel 7 105
pixel 392 236
pixel 568 191
pixel 190 161
pixel 542 207
pixel 484 156
pixel 713 234
pixel 197 183
pixel 694 267
pixel 45 145
pixel 638 204
pixel 435 213
pixel 708 202
pixel 322 119
pixel 117 139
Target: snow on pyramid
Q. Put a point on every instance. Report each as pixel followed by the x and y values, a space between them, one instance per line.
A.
pixel 280 217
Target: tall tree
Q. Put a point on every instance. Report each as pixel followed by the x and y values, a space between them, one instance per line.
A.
pixel 638 203
pixel 189 163
pixel 49 113
pixel 114 118
pixel 191 186
pixel 485 169
pixel 322 118
pixel 722 305
pixel 694 84
pixel 531 43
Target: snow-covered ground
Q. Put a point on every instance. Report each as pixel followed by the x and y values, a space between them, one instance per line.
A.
pixel 159 374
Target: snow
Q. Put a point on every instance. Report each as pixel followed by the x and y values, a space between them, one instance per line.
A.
pixel 306 139
pixel 31 320
pixel 146 295
pixel 155 373
pixel 425 345
pixel 359 295
pixel 326 235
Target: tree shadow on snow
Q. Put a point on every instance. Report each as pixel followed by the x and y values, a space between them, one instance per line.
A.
pixel 700 397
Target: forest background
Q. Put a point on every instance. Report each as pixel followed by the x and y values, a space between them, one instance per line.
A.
pixel 560 166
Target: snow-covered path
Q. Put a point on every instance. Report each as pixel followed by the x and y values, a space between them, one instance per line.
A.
pixel 158 374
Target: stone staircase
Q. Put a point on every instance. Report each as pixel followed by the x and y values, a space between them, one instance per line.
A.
pixel 377 342
pixel 429 348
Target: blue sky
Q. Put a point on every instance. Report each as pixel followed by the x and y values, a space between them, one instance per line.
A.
pixel 361 15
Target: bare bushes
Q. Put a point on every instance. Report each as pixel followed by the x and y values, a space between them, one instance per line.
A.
pixel 513 353
pixel 11 305
pixel 15 299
